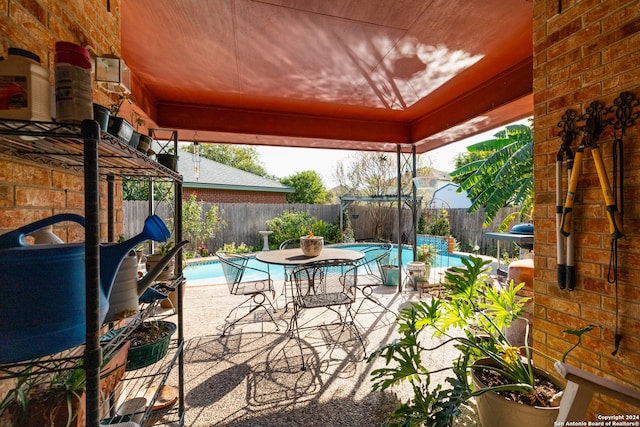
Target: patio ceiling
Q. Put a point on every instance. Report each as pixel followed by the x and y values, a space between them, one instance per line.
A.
pixel 345 74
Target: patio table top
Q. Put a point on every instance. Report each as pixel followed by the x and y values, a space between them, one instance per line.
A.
pixel 295 256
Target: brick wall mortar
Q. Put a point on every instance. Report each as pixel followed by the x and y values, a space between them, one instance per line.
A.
pixel 588 52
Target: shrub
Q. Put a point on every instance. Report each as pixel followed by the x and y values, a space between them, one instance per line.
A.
pixel 438 225
pixel 231 248
pixel 295 224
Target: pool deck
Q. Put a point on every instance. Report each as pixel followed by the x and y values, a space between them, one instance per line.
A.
pixel 252 376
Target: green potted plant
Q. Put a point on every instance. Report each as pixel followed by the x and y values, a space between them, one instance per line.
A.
pixel 143 141
pixel 118 126
pixel 420 269
pixel 168 159
pixel 41 399
pixel 390 272
pixel 471 318
pixel 154 258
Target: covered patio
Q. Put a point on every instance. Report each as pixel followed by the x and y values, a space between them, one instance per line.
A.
pixel 402 77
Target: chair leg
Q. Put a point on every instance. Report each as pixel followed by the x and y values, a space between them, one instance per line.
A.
pixel 367 291
pixel 294 329
pixel 355 329
pixel 287 300
pixel 258 301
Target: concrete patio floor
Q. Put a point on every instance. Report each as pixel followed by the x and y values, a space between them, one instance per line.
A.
pixel 252 376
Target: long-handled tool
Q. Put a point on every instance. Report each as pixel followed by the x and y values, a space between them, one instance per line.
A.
pixel 592 130
pixel 566 264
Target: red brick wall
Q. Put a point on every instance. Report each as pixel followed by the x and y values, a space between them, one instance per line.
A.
pixel 235 196
pixel 29 192
pixel 590 51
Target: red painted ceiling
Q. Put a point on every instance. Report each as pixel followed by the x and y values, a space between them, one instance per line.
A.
pixel 347 74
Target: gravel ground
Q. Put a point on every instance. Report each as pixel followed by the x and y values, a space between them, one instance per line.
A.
pixel 252 376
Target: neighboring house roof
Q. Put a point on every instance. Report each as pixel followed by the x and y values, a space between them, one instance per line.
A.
pixel 216 176
pixel 448 197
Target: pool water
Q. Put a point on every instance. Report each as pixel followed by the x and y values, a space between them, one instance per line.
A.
pixel 210 272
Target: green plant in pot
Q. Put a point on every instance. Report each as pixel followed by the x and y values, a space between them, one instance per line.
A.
pixel 156 257
pixel 390 272
pixel 168 159
pixel 420 269
pixel 118 126
pixel 143 141
pixel 43 399
pixel 488 368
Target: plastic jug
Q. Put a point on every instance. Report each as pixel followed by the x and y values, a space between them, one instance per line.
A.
pixel 74 100
pixel 24 87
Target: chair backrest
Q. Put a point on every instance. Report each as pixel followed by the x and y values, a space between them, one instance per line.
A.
pixel 290 244
pixel 233 266
pixel 374 258
pixel 325 282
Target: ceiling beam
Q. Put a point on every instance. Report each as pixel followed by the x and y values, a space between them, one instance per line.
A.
pixel 512 85
pixel 231 120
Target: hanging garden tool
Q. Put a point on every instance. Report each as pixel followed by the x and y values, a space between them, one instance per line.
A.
pixel 592 130
pixel 624 117
pixel 566 264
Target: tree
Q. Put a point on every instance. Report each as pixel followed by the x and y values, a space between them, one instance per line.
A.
pixel 243 158
pixel 134 188
pixel 198 227
pixel 367 174
pixel 374 174
pixel 309 188
pixel 504 178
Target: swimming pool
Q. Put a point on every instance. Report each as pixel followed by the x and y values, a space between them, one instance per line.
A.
pixel 210 272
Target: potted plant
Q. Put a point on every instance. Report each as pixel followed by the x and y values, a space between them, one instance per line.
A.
pixel 143 141
pixel 156 257
pixel 480 311
pixel 149 343
pixel 390 272
pixel 311 245
pixel 420 269
pixel 58 398
pixel 118 126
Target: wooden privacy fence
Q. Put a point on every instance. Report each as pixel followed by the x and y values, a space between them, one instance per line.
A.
pixel 245 220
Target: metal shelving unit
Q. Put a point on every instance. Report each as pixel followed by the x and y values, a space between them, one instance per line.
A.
pixel 83 148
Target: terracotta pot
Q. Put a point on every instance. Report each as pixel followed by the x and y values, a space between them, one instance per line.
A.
pixel 113 371
pixel 167 271
pixel 495 410
pixel 172 301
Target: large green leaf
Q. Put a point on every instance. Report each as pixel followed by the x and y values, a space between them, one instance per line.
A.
pixel 504 178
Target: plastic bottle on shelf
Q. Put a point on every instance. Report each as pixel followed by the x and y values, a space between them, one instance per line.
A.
pixel 24 87
pixel 74 99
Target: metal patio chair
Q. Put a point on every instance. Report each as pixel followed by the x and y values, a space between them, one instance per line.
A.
pixel 324 284
pixel 371 272
pixel 246 281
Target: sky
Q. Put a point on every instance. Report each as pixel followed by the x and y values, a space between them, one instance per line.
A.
pixel 286 161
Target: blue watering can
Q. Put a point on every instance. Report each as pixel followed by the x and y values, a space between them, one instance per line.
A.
pixel 43 288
